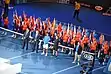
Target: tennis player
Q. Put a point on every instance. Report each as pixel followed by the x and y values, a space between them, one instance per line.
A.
pixel 45 45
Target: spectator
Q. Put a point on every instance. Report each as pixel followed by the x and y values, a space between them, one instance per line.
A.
pixel 6 23
pixel 105 48
pixel 93 45
pixel 110 49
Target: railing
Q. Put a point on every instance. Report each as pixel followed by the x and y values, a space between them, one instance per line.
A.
pixel 40 40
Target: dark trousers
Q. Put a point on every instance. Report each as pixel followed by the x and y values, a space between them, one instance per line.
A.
pixel 86 47
pixel 25 43
pixel 76 14
pixel 6 9
pixel 36 46
pixel 0 22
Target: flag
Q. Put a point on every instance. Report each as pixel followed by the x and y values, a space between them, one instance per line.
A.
pixel 74 29
pixel 68 29
pixel 53 23
pixel 40 24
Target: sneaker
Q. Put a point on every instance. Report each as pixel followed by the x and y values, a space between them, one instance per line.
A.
pixel 22 38
pixel 5 33
pixel 69 53
pixel 2 32
pixel 12 36
pixel 46 54
pixel 78 64
pixel 62 51
pixel 30 36
pixel 103 63
pixel 42 53
pixel 73 62
pixel 15 36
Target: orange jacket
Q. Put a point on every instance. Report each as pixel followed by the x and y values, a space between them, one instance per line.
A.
pixel 65 38
pixel 73 40
pixel 105 47
pixel 59 28
pixel 93 45
pixel 6 22
pixel 86 40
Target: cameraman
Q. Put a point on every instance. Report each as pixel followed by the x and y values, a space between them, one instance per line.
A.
pixel 87 68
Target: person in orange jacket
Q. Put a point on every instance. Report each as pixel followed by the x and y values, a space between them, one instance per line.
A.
pixel 6 23
pixel 105 48
pixel 110 49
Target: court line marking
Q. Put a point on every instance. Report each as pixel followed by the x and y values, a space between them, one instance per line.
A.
pixel 65 69
pixel 98 68
pixel 69 68
pixel 21 55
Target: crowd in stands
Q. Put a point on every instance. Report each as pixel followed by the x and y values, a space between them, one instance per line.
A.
pixel 80 39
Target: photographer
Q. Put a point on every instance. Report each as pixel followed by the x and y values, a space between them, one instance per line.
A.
pixel 87 68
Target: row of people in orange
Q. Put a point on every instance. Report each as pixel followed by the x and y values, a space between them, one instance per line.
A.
pixel 71 37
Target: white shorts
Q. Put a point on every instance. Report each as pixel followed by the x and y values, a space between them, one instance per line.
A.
pixel 45 46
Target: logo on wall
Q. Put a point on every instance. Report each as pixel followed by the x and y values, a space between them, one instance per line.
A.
pixel 98 8
pixel 87 56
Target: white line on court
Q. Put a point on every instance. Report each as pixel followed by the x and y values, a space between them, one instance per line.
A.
pixel 65 69
pixel 21 55
pixel 98 68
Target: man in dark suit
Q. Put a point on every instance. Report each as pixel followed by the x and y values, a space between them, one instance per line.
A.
pixel 26 38
pixel 55 48
pixel 36 42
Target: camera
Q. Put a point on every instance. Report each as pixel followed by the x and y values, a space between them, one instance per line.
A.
pixel 87 68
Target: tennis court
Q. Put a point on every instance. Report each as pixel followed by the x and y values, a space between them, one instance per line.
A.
pixel 35 63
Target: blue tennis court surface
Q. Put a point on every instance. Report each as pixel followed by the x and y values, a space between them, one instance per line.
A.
pixel 35 63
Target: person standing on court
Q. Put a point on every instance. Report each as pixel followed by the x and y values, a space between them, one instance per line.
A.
pixel 36 42
pixel 46 39
pixel 26 38
pixel 55 48
pixel 6 23
pixel 110 49
pixel 77 9
pixel 6 9
pixel 78 53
